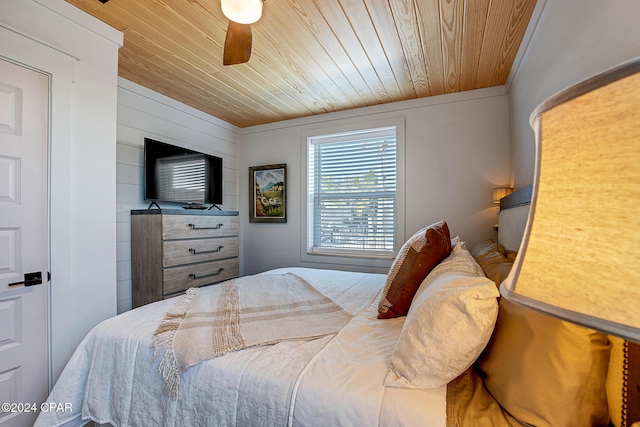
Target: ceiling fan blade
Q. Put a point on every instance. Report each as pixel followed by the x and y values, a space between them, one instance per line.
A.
pixel 237 44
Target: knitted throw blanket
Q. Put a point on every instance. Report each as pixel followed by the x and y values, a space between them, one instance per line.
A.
pixel 240 313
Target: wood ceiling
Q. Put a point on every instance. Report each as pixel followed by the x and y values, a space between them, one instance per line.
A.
pixel 315 56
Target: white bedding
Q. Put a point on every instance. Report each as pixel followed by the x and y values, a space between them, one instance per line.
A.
pixel 332 381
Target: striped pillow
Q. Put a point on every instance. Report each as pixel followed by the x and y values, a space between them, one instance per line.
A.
pixel 423 251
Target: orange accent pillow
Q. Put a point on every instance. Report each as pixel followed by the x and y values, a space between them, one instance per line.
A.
pixel 417 257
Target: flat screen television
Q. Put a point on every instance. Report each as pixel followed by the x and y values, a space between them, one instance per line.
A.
pixel 180 175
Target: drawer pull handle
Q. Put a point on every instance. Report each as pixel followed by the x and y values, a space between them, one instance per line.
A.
pixel 194 277
pixel 217 227
pixel 195 252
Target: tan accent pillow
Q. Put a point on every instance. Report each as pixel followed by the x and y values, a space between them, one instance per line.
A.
pixel 470 404
pixel 492 260
pixel 487 252
pixel 417 257
pixel 497 272
pixel 547 372
pixel 508 254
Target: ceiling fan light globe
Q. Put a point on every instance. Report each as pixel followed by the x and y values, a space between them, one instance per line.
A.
pixel 242 11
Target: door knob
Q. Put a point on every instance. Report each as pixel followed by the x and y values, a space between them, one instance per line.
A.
pixel 30 279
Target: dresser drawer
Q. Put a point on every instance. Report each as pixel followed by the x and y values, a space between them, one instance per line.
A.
pixel 180 278
pixel 173 250
pixel 176 252
pixel 198 226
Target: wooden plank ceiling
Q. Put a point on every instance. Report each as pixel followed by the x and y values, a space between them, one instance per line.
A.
pixel 315 56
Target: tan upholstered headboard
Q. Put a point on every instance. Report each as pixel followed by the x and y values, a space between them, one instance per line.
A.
pixel 623 379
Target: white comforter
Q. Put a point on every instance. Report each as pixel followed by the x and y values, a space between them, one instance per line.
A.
pixel 333 381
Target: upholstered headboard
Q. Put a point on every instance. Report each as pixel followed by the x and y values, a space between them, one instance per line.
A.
pixel 514 211
pixel 623 379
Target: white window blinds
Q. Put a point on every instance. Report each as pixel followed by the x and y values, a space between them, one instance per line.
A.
pixel 352 192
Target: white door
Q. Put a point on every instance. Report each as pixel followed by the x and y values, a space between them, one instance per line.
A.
pixel 24 110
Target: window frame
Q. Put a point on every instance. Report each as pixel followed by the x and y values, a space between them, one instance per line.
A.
pixel 352 257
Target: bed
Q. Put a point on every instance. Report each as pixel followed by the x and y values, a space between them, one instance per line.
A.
pixel 112 379
pixel 378 369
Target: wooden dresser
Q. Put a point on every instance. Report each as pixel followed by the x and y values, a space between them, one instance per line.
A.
pixel 176 249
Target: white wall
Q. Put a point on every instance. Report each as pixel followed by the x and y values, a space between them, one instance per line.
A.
pixel 81 54
pixel 457 150
pixel 144 113
pixel 573 40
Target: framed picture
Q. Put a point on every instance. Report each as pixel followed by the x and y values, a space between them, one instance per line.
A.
pixel 268 193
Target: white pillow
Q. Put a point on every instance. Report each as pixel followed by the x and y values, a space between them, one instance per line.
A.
pixel 448 325
pixel 459 260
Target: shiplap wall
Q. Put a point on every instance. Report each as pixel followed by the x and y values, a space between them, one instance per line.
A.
pixel 144 113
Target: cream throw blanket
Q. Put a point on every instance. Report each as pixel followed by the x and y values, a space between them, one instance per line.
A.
pixel 240 313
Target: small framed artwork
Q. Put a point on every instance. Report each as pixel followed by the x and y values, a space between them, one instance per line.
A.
pixel 268 193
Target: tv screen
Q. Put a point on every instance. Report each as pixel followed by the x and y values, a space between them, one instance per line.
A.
pixel 176 174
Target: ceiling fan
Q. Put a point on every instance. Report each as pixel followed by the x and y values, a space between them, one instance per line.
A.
pixel 241 14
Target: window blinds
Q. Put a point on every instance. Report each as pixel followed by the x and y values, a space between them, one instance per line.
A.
pixel 352 192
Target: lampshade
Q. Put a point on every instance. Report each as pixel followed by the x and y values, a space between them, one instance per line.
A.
pixel 500 192
pixel 242 11
pixel 580 256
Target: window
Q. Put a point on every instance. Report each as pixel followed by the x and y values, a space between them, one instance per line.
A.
pixel 352 202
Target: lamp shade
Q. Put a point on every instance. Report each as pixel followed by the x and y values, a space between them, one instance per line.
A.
pixel 580 256
pixel 500 192
pixel 242 11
